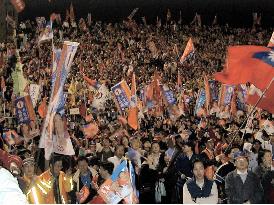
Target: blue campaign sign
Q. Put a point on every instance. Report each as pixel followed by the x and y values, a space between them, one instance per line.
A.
pixel 22 114
pixel 122 95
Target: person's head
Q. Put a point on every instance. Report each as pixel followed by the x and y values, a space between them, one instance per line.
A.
pixel 94 163
pixel 56 165
pixel 155 148
pixel 241 161
pixel 114 143
pixel 106 169
pixel 135 144
pixel 119 151
pixel 28 167
pixel 231 151
pixel 147 146
pixel 188 147
pixel 82 164
pixel 256 145
pixel 272 138
pixel 198 169
pixel 210 144
pixel 265 158
pixel 106 143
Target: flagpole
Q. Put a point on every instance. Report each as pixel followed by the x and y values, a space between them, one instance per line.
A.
pixel 250 114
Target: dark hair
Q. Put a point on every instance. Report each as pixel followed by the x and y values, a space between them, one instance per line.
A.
pixel 94 161
pixel 197 160
pixel 190 144
pixel 229 150
pixel 117 146
pixel 55 158
pixel 108 166
pixel 82 158
pixel 261 155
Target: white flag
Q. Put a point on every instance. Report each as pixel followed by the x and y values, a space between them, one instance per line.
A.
pixel 34 91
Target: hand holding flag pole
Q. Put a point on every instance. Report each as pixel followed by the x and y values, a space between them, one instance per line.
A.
pixel 249 115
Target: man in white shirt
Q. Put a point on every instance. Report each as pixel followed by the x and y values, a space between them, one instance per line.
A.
pixel 118 156
pixel 10 193
pixel 200 190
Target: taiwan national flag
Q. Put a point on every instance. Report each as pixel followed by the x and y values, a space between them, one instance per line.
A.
pixel 253 64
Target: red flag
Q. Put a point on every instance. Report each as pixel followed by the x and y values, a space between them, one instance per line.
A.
pixel 133 110
pixel 253 64
pixel 19 5
pixel 42 109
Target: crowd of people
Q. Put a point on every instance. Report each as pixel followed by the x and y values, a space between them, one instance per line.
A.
pixel 190 159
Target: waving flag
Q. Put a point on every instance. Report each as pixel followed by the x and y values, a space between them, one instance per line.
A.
pixel 12 138
pixel 253 64
pixel 168 95
pixel 34 91
pixel 58 80
pixel 189 51
pixel 122 94
pixel 214 90
pixel 92 83
pixel 271 41
pixel 133 109
pixel 242 97
pixel 118 186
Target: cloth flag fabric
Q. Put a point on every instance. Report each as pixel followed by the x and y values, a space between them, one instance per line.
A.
pixel 11 137
pixel 200 101
pixel 58 79
pixel 24 110
pixel 226 94
pixel 133 197
pixel 90 130
pixel 133 109
pixel 189 51
pixel 118 186
pixel 19 81
pixel 19 5
pixel 168 95
pixel 253 64
pixel 100 98
pixel 93 83
pixel 271 41
pixel 122 94
pixel 34 91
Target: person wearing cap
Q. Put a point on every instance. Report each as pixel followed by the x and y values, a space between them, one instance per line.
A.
pixel 241 185
pixel 199 189
pixel 268 184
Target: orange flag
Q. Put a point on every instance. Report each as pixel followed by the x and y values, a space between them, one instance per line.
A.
pixel 42 109
pixel 133 110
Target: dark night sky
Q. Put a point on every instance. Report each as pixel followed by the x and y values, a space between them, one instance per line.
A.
pixel 234 12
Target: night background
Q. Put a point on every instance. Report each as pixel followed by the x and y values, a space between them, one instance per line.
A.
pixel 234 12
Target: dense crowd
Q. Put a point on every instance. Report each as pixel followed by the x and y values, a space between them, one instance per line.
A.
pixel 192 159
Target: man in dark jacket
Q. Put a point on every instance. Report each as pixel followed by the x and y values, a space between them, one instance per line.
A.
pixel 242 186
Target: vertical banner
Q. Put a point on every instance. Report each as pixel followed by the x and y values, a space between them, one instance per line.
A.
pixel 24 110
pixel 122 94
pixel 226 94
pixel 214 90
pixel 200 101
pixel 169 95
pixel 58 80
pixel 34 91
pixel 242 97
pixel 19 5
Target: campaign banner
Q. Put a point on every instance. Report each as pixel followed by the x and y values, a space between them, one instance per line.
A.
pixel 226 94
pixel 24 110
pixel 118 186
pixel 242 97
pixel 214 90
pixel 34 91
pixel 169 95
pixel 122 94
pixel 200 101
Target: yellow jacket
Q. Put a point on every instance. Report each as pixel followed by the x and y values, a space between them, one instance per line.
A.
pixel 42 191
